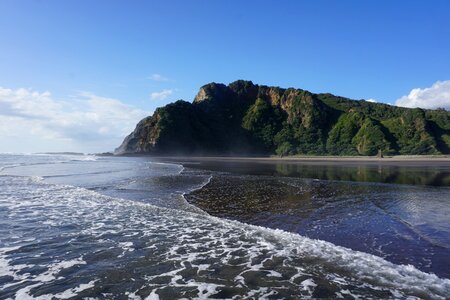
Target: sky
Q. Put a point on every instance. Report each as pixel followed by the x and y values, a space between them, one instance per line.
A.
pixel 78 75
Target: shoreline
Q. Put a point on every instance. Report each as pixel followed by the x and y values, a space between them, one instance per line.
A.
pixel 401 160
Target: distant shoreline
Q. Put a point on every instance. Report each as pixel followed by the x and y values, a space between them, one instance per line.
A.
pixel 367 158
pixel 402 160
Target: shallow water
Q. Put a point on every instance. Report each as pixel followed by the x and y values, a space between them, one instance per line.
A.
pixel 120 228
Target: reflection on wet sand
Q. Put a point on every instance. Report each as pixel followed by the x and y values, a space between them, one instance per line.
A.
pixel 369 173
pixel 348 205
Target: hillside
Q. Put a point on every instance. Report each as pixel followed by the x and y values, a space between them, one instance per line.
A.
pixel 248 119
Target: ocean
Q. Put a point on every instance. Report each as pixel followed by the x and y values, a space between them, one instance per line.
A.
pixel 89 227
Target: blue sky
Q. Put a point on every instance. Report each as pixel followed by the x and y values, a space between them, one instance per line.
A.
pixel 144 54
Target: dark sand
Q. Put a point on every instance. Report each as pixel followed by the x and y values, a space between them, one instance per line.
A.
pixel 401 160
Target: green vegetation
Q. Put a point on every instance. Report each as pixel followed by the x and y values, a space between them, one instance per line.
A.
pixel 244 118
pixel 370 139
pixel 263 122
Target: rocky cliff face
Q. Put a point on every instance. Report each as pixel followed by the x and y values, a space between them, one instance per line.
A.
pixel 244 118
pixel 143 138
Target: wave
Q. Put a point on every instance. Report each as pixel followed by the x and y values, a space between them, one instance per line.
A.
pixel 84 158
pixel 59 159
pixel 190 241
pixel 181 167
pixel 201 186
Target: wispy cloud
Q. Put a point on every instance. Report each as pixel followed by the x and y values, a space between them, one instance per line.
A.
pixel 161 95
pixel 158 77
pixel 87 122
pixel 372 100
pixel 438 95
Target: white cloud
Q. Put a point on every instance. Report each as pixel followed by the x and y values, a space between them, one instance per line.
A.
pixel 33 121
pixel 158 77
pixel 438 95
pixel 372 100
pixel 161 95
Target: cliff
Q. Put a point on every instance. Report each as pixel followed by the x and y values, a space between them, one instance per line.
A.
pixel 245 118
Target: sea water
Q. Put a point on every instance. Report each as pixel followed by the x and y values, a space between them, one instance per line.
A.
pixel 117 228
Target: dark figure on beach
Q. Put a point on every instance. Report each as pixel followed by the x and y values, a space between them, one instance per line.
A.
pixel 380 153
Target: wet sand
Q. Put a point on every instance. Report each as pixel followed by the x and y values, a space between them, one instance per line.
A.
pixel 393 208
pixel 400 160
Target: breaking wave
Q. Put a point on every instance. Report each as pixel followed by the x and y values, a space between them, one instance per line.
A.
pixel 62 241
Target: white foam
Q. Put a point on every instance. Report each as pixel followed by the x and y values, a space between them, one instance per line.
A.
pixel 153 296
pixel 195 237
pixel 133 296
pixel 127 247
pixel 36 178
pixel 6 269
pixel 55 268
pixel 364 266
pixel 347 292
pixel 24 294
pixel 48 276
pixel 205 290
pixel 74 291
pixel 261 293
pixel 308 285
pixel 193 207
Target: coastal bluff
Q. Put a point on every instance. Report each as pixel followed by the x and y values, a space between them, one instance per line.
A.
pixel 244 118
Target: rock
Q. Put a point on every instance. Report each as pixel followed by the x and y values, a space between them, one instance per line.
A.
pixel 248 119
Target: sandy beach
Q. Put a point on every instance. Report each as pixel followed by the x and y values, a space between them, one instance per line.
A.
pixel 400 160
